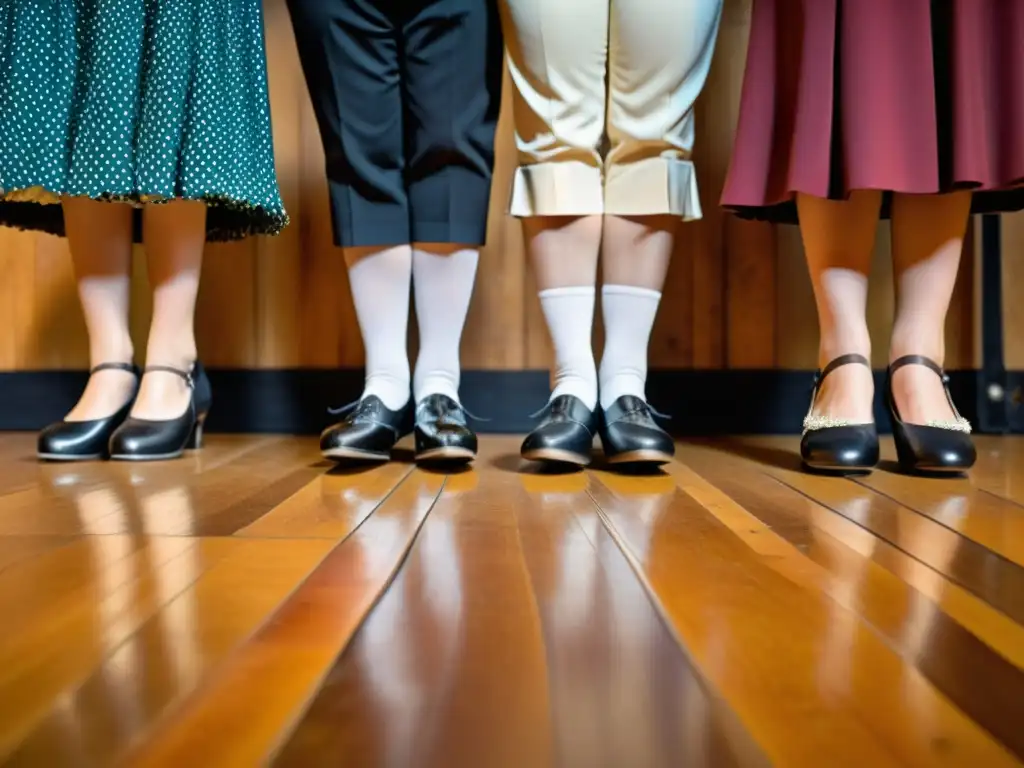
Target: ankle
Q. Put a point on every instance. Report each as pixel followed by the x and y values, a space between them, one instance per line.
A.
pixel 111 352
pixel 174 354
pixel 836 345
pixel 927 345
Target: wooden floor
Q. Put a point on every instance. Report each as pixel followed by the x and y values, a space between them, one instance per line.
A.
pixel 252 605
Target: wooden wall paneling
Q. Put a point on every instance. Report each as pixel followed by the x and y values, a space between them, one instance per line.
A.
pixel 328 330
pixel 751 250
pixel 881 296
pixel 717 113
pixel 17 298
pixel 495 336
pixel 278 294
pixel 10 254
pixel 960 322
pixel 58 339
pixel 141 307
pixel 1013 279
pixel 226 319
pixel 797 321
pixel 672 340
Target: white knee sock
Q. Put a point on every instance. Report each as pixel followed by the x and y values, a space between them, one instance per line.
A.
pixel 380 289
pixel 629 314
pixel 570 316
pixel 443 283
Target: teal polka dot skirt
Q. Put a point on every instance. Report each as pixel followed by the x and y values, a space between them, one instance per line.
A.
pixel 136 101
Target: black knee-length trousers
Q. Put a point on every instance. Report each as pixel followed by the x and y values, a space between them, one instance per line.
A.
pixel 406 94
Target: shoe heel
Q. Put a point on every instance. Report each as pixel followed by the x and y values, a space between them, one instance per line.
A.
pixel 905 458
pixel 195 440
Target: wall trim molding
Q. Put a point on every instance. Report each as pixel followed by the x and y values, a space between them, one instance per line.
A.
pixel 295 401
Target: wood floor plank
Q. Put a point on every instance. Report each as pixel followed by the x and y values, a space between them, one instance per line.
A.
pixel 986 574
pixel 185 498
pixel 980 682
pixel 450 668
pixel 170 654
pixel 765 641
pixel 992 522
pixel 925 556
pixel 18 549
pixel 254 697
pixel 916 550
pixel 78 606
pixel 1000 467
pixel 251 604
pixel 331 505
pixel 622 690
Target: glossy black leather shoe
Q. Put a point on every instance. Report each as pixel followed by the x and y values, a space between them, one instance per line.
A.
pixel 148 440
pixel 630 435
pixel 442 433
pixel 85 440
pixel 368 432
pixel 835 445
pixel 565 434
pixel 934 447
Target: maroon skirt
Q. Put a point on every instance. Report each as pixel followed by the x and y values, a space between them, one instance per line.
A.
pixel 915 96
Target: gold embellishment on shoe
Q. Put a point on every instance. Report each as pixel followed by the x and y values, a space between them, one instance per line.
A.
pixel 959 424
pixel 814 423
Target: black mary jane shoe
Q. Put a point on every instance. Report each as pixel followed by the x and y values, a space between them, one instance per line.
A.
pixel 935 447
pixel 368 432
pixel 442 433
pixel 149 440
pixel 629 434
pixel 833 445
pixel 85 440
pixel 565 434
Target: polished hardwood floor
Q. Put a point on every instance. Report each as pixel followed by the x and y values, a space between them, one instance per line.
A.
pixel 253 605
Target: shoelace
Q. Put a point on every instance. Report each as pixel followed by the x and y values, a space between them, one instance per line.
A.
pixel 653 411
pixel 443 410
pixel 344 408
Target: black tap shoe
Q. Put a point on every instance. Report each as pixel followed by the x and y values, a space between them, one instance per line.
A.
pixel 149 440
pixel 630 435
pixel 934 447
pixel 442 433
pixel 565 434
pixel 85 440
pixel 836 445
pixel 368 432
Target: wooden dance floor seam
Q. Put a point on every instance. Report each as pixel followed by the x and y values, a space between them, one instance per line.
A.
pixel 253 605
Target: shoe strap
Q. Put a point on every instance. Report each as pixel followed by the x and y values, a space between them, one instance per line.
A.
pixel 126 367
pixel 927 362
pixel 850 359
pixel 186 375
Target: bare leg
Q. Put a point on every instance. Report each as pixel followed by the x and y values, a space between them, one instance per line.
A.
pixel 635 259
pixel 100 235
pixel 443 279
pixel 380 278
pixel 838 240
pixel 927 236
pixel 564 252
pixel 175 236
